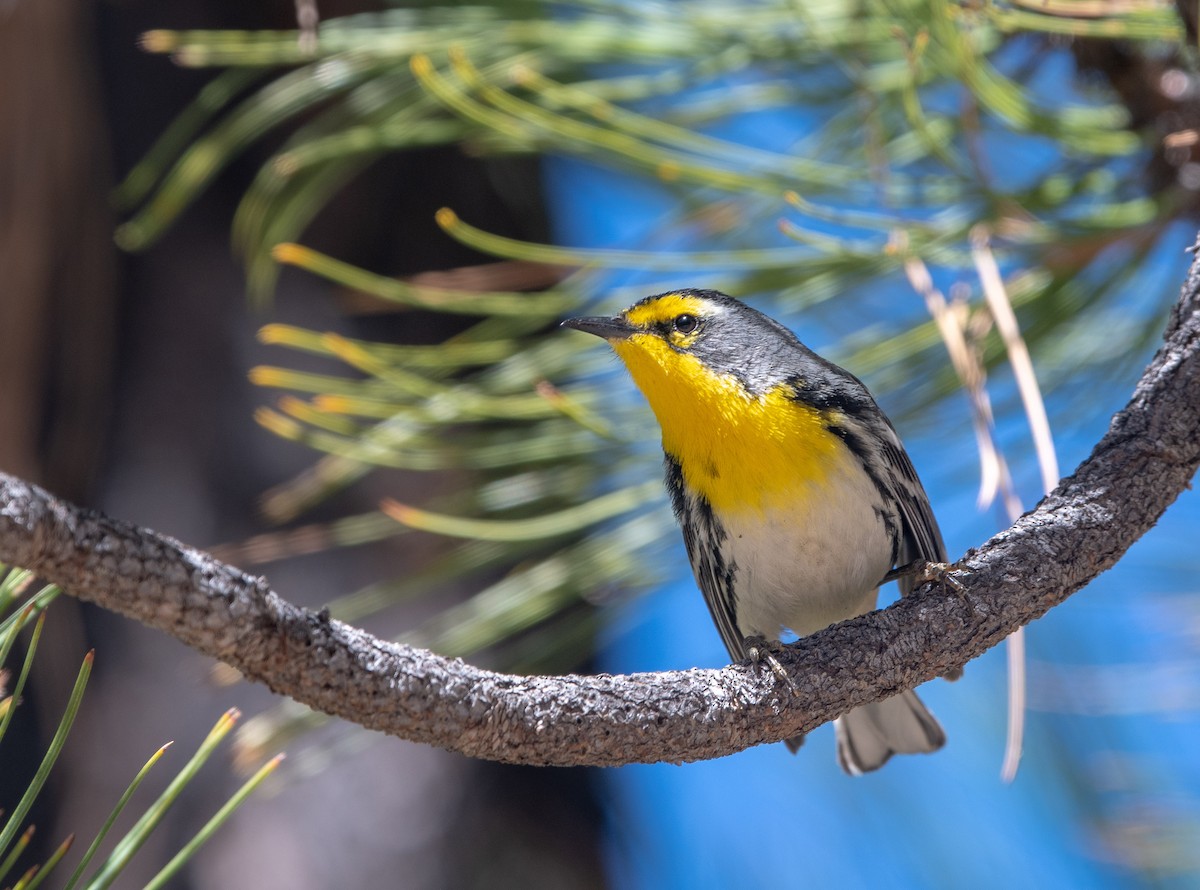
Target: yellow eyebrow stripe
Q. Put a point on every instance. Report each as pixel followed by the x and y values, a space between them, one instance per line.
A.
pixel 663 309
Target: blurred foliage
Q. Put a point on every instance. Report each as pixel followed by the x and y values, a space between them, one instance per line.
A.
pixel 20 609
pixel 922 120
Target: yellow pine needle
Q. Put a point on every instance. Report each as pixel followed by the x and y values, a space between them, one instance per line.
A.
pixel 313 415
pixel 29 883
pixel 352 354
pixel 209 829
pixel 159 41
pixel 222 815
pixel 1136 25
pixel 293 255
pixel 550 525
pixel 275 378
pixel 278 424
pixel 455 99
pixel 676 165
pixel 285 378
pixel 17 849
pixel 858 219
pixel 61 849
pixel 287 335
pixel 331 404
pixel 561 95
pixel 221 728
pixel 397 291
pixel 357 357
pixel 1091 8
pixel 447 355
pixel 828 243
pixel 420 65
pixel 98 840
pixel 498 245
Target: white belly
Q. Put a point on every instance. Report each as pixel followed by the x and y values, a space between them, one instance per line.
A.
pixel 809 566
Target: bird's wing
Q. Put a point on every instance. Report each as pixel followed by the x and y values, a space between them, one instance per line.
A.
pixel 920 537
pixel 857 420
pixel 704 535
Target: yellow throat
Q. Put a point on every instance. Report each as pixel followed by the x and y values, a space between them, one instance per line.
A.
pixel 740 451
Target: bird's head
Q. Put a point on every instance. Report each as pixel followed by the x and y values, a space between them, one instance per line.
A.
pixel 700 340
pixel 721 379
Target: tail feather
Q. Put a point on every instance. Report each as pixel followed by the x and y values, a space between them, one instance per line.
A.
pixel 868 736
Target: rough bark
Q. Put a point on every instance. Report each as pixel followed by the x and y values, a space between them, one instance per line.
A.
pixel 1146 459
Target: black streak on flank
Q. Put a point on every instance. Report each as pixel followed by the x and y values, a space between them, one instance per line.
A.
pixel 704 536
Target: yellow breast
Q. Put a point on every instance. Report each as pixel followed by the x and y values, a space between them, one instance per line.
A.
pixel 741 452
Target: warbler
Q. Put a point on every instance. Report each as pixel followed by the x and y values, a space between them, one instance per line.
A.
pixel 794 493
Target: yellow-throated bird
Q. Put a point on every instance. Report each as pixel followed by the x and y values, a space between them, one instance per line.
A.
pixel 794 493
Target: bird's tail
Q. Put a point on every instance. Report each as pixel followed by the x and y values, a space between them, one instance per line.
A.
pixel 868 736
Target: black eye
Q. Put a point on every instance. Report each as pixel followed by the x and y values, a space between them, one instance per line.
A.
pixel 685 324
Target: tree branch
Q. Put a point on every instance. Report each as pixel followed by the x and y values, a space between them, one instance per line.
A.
pixel 1083 527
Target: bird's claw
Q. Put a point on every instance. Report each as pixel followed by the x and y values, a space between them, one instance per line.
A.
pixel 760 652
pixel 922 571
pixel 941 573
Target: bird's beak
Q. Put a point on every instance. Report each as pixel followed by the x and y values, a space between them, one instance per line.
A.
pixel 615 328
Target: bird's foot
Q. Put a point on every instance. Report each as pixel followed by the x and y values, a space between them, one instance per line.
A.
pixel 923 571
pixel 761 651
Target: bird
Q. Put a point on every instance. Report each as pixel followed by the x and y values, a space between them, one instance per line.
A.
pixel 793 491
